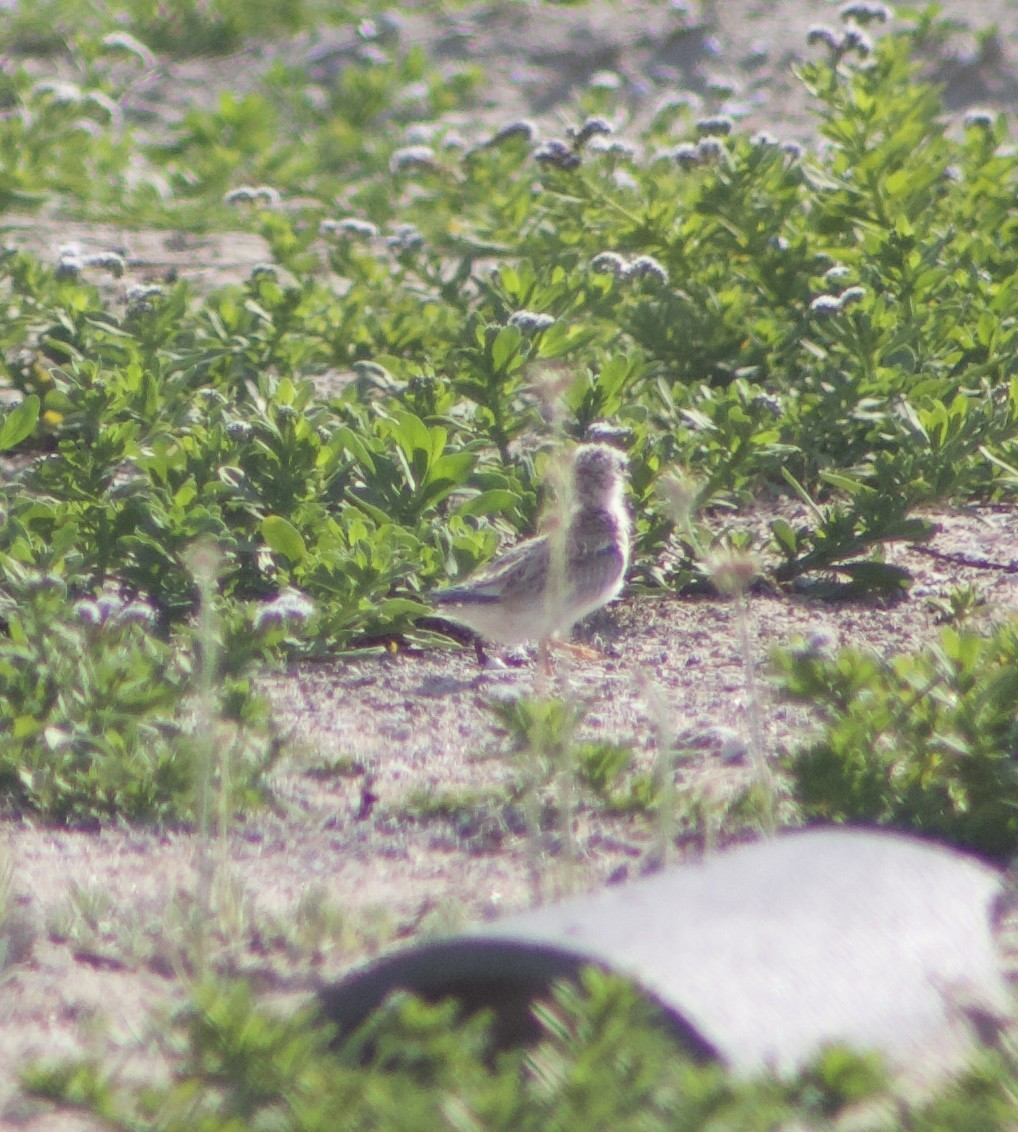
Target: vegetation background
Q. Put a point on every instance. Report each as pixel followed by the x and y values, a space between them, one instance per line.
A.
pixel 300 303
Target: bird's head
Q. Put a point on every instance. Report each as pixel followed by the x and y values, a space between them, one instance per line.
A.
pixel 598 473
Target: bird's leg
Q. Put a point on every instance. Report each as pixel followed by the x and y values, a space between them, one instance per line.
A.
pixel 482 656
pixel 581 652
pixel 544 657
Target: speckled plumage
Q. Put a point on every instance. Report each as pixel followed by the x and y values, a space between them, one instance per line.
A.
pixel 518 597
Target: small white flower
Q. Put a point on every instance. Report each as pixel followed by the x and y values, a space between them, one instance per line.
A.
pixel 405 238
pixel 865 12
pixel 140 297
pixel 838 273
pixel 670 105
pixel 855 39
pixel 710 149
pixel 108 106
pixel 723 86
pixel 820 33
pixel 368 370
pixel 606 80
pixel 108 261
pixel 110 608
pixel 851 295
pixel 68 265
pixel 289 607
pixel 647 267
pixel 608 263
pixel 349 226
pixel 411 157
pixel 557 153
pixel 520 128
pixel 768 403
pixel 590 128
pixel 719 124
pixel 979 119
pixel 613 147
pixel 530 322
pixel 124 41
pixel 253 194
pixel 825 305
pixel 87 612
pixel 59 91
pixel 137 613
pixel 686 155
pixel 420 133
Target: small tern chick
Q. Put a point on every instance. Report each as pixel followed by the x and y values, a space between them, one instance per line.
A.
pixel 542 587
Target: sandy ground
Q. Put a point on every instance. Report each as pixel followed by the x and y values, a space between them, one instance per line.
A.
pixel 395 816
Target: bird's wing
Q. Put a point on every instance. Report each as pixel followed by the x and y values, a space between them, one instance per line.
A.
pixel 513 574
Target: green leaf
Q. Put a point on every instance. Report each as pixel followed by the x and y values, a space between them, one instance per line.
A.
pixel 785 536
pixel 506 345
pixel 846 483
pixel 19 423
pixel 880 576
pixel 495 501
pixel 283 537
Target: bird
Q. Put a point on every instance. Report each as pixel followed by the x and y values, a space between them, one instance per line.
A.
pixel 541 587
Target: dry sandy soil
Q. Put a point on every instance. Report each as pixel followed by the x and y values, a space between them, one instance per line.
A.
pixel 393 818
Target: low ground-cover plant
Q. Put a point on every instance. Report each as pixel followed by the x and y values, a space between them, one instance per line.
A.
pixel 602 1059
pixel 923 742
pixel 750 311
pixel 366 417
pixel 100 715
pixel 190 27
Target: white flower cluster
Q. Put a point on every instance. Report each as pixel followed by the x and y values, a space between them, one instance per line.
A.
pixel 254 194
pixel 141 298
pixel 709 150
pixel 865 12
pixel 609 263
pixel 112 609
pixel 612 147
pixel 349 226
pixel 979 119
pixel 719 125
pixel 72 261
pixel 852 40
pixel 530 322
pixel 411 158
pixel 520 128
pixel 405 238
pixel 288 607
pixel 642 267
pixel 590 128
pixel 827 304
pixel 124 41
pixel 557 153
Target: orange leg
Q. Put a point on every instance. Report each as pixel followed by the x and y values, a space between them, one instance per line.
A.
pixel 581 652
